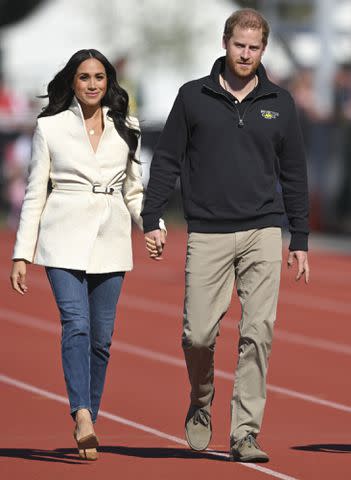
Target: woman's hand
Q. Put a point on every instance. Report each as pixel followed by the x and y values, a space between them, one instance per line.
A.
pixel 18 276
pixel 155 242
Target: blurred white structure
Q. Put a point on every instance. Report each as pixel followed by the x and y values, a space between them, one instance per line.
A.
pixel 166 42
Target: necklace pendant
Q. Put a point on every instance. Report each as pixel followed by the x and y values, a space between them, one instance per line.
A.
pixel 91 131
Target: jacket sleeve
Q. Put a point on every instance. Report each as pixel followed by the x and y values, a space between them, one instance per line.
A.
pixel 293 180
pixel 34 199
pixel 133 190
pixel 166 165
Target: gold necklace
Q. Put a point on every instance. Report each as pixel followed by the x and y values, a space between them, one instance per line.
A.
pixel 91 131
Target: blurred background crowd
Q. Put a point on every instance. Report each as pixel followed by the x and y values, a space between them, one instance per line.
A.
pixel 156 46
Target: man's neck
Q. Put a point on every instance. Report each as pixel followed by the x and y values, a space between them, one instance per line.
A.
pixel 237 86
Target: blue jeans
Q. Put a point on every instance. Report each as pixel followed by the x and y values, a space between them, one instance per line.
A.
pixel 87 305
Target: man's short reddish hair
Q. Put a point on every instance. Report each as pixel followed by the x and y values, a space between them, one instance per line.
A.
pixel 247 18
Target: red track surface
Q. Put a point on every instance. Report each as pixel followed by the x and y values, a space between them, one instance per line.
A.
pixel 306 428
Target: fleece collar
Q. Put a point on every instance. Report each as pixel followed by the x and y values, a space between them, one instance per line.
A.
pixel 265 85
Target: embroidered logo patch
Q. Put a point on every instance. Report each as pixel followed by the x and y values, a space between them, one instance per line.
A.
pixel 268 115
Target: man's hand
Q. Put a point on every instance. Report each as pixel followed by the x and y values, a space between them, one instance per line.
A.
pixel 155 242
pixel 303 268
pixel 18 276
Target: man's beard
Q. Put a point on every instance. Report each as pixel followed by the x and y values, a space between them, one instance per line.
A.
pixel 242 73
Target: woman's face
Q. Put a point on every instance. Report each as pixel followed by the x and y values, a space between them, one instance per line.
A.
pixel 90 82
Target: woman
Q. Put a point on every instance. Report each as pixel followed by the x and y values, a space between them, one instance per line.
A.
pixel 83 187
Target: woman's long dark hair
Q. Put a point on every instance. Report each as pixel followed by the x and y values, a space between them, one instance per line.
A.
pixel 60 96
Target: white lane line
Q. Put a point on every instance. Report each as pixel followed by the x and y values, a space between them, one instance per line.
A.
pixel 172 310
pixel 321 276
pixel 303 300
pixel 318 343
pixel 33 322
pixel 315 302
pixel 138 426
pixel 170 360
pixel 310 398
pixel 297 338
pixel 61 399
pixel 139 303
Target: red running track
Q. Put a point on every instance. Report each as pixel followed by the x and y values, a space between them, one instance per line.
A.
pixel 306 427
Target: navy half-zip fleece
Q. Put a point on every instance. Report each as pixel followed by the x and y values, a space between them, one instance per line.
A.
pixel 231 160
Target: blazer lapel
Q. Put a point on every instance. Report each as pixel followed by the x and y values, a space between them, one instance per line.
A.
pixel 108 124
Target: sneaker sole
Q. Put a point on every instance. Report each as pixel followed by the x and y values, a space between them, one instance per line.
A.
pixel 249 459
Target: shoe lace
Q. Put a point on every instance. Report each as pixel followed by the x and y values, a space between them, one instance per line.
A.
pixel 202 416
pixel 250 440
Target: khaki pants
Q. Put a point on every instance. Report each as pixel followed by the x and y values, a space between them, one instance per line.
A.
pixel 215 262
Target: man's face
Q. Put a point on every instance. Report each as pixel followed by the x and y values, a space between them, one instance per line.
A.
pixel 244 51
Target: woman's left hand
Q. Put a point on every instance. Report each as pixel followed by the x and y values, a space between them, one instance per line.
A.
pixel 155 242
pixel 18 276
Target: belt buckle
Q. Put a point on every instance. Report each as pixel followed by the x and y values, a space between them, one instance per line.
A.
pixel 100 189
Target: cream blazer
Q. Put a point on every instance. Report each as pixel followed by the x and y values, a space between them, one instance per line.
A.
pixel 71 226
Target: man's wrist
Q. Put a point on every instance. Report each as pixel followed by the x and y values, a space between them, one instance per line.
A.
pixel 299 241
pixel 150 224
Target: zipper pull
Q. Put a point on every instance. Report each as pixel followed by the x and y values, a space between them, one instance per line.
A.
pixel 241 123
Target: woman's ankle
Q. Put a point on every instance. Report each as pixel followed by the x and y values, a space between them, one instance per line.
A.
pixel 84 421
pixel 83 415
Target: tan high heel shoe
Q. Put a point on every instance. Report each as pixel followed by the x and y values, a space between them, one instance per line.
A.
pixel 87 446
pixel 88 454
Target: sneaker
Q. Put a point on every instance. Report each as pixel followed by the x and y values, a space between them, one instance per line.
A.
pixel 198 428
pixel 248 450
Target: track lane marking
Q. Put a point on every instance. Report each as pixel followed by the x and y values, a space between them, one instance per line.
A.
pixel 138 426
pixel 172 310
pixel 33 322
pixel 300 299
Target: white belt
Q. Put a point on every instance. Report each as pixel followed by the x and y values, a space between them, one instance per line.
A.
pixel 96 188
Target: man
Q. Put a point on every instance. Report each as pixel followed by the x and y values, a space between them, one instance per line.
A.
pixel 232 137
